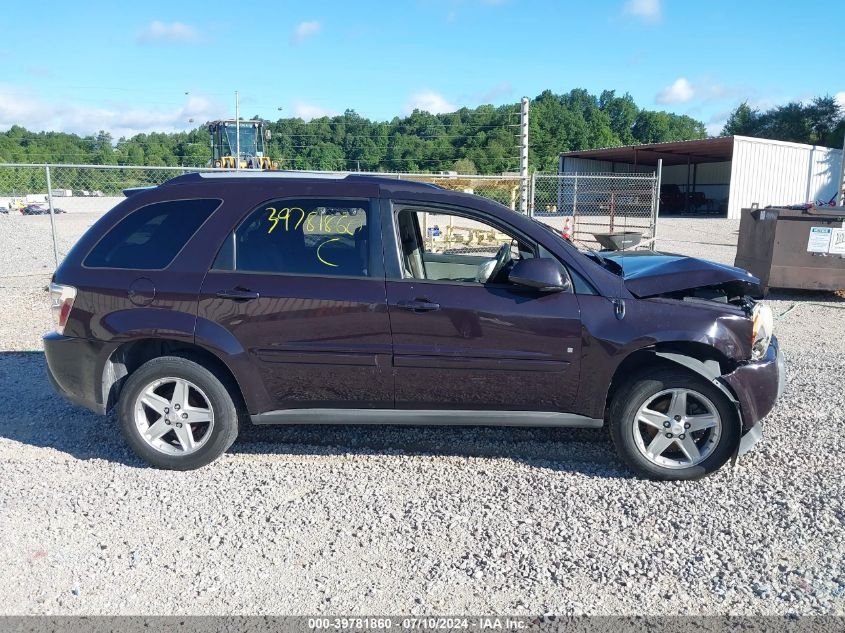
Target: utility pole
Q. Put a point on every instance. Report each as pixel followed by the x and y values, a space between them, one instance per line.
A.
pixel 841 183
pixel 237 131
pixel 523 156
pixel 52 215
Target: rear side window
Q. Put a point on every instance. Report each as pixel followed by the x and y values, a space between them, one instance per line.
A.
pixel 306 237
pixel 151 237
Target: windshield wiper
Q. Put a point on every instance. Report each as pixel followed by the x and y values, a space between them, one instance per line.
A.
pixel 602 259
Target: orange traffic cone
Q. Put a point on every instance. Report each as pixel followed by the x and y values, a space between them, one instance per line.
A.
pixel 567 235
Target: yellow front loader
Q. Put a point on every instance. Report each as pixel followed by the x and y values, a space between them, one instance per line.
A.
pixel 250 137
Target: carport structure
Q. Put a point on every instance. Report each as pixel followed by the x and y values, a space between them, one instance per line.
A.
pixel 720 176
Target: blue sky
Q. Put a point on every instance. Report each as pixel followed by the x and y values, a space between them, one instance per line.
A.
pixel 155 65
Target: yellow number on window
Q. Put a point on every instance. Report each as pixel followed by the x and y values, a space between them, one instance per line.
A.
pixel 334 239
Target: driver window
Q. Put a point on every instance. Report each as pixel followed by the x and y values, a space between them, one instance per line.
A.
pixel 448 247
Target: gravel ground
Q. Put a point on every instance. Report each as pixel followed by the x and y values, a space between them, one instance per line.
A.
pixel 414 520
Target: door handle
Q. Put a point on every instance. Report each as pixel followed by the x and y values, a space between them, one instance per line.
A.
pixel 237 294
pixel 418 305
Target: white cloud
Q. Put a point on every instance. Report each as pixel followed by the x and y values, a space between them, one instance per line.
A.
pixel 308 111
pixel 167 32
pixel 502 89
pixel 19 107
pixel 710 91
pixel 715 128
pixel 304 30
pixel 703 90
pixel 680 91
pixel 429 102
pixel 648 10
pixel 840 98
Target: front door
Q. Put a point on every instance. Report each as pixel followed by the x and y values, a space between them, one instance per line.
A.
pixel 297 286
pixel 464 337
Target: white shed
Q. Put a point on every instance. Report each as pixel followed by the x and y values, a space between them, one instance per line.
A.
pixel 720 176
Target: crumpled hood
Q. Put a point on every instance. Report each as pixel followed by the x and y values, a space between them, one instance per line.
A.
pixel 647 274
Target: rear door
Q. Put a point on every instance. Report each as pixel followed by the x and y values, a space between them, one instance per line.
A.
pixel 300 284
pixel 464 341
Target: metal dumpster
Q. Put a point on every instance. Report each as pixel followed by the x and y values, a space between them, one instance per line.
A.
pixel 793 247
pixel 618 240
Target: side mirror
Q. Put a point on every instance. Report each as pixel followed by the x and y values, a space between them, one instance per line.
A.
pixel 541 273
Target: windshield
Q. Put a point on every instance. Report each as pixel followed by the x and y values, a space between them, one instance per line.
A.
pixel 248 139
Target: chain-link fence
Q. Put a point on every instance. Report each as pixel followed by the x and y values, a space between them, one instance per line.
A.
pixel 593 205
pixel 94 188
pixel 75 188
pixel 502 189
pixel 80 194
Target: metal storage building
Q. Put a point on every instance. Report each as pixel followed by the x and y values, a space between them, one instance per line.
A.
pixel 722 175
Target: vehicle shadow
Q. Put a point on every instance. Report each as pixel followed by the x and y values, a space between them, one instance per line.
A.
pixel 584 451
pixel 38 417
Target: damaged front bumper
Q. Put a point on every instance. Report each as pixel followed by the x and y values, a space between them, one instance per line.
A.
pixel 757 387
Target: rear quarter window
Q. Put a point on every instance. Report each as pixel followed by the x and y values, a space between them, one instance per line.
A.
pixel 151 237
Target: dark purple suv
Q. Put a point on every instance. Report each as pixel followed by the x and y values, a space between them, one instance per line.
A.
pixel 289 298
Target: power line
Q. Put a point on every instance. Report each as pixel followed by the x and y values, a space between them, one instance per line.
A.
pixel 293 159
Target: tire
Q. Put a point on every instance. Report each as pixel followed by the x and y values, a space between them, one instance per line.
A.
pixel 641 411
pixel 211 417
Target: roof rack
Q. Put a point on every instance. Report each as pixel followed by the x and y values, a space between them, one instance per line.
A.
pixel 250 173
pixel 131 191
pixel 292 175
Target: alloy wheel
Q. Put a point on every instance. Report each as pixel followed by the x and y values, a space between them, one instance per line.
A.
pixel 677 428
pixel 173 416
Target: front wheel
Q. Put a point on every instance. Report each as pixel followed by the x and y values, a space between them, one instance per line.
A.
pixel 176 414
pixel 673 425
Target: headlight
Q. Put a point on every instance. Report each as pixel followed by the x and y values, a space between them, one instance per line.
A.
pixel 763 323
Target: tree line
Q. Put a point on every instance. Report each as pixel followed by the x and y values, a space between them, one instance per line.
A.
pixel 482 139
pixel 818 122
pixel 471 140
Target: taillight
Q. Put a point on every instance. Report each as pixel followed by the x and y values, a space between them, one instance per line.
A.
pixel 61 303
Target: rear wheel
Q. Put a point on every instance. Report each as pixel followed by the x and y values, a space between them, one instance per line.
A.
pixel 176 414
pixel 673 425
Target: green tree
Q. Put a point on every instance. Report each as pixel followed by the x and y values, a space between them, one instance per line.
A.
pixel 623 114
pixel 660 127
pixel 744 121
pixel 485 137
pixel 825 116
pixel 790 122
pixel 465 166
pixel 819 122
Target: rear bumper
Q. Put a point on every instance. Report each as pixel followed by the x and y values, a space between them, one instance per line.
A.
pixel 74 367
pixel 757 386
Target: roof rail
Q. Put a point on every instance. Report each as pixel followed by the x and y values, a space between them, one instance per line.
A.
pixel 131 191
pixel 304 175
pixel 250 173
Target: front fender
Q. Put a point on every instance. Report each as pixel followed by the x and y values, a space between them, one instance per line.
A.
pixel 711 371
pixel 648 325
